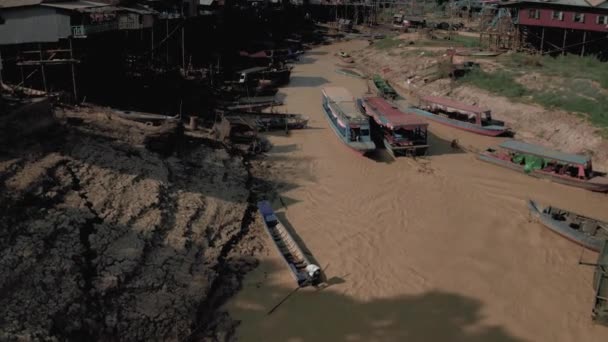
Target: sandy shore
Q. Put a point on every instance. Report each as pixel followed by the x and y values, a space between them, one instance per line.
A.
pixel 438 249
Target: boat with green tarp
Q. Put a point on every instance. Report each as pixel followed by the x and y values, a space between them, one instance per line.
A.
pixel 384 88
pixel 538 161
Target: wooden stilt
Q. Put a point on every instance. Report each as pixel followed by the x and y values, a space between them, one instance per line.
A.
pixel 1 81
pixel 542 41
pixel 564 43
pixel 42 69
pixel 152 41
pixel 184 47
pixel 584 42
pixel 167 37
pixel 73 71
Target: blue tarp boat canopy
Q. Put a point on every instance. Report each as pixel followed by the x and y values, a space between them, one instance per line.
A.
pixel 265 208
pixel 540 151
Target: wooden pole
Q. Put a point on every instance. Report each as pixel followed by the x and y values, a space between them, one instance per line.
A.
pixel 564 43
pixel 184 47
pixel 73 71
pixel 152 39
pixel 183 41
pixel 542 41
pixel 1 81
pixel 584 41
pixel 42 68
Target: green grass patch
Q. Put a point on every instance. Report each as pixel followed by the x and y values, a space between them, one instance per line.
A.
pixel 568 66
pixel 500 83
pixel 578 96
pixel 470 42
pixel 387 43
pixel 595 110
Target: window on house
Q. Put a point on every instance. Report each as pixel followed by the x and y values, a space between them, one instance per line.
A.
pixel 578 17
pixel 534 14
pixel 558 15
pixel 601 19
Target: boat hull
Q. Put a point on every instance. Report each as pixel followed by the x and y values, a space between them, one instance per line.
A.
pixel 286 245
pixel 404 152
pixel 358 147
pixel 591 186
pixel 465 126
pixel 562 228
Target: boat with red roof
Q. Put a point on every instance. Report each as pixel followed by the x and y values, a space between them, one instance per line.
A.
pixel 402 134
pixel 460 115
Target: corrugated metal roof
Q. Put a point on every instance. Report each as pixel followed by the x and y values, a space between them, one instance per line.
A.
pixel 392 117
pixel 74 5
pixel 576 3
pixel 540 151
pixel 206 2
pixel 19 3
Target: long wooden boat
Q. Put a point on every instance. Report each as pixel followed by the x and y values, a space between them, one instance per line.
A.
pixel 600 285
pixel 460 115
pixel 401 134
pixel 350 72
pixel 587 232
pixel 304 272
pixel 569 169
pixel 346 120
pixel 384 88
pixel 290 121
pixel 144 117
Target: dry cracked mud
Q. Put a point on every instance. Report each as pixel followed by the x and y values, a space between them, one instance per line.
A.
pixel 103 239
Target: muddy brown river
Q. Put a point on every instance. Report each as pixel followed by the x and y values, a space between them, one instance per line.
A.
pixel 440 248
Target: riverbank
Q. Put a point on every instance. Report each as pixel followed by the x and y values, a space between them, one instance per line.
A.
pixel 438 248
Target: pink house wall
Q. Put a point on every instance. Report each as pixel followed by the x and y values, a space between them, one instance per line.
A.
pixel 546 19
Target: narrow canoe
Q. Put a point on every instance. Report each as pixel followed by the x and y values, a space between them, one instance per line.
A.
pixel 304 272
pixel 587 232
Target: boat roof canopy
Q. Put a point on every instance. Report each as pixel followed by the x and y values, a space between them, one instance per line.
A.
pixel 345 103
pixel 265 208
pixel 388 115
pixel 540 151
pixel 455 105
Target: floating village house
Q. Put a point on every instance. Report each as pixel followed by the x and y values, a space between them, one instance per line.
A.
pixel 562 26
pixel 39 33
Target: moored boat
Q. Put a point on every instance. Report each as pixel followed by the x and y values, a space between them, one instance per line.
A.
pixel 303 270
pixel 401 133
pixel 587 232
pixel 350 72
pixel 569 169
pixel 346 120
pixel 291 121
pixel 600 285
pixel 384 88
pixel 460 115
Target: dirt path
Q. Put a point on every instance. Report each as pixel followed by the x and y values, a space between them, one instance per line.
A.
pixel 439 249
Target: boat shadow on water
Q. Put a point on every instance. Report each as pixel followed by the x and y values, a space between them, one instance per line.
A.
pixel 324 280
pixel 307 81
pixel 434 315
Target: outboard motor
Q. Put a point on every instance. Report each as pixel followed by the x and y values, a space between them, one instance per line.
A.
pixel 314 274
